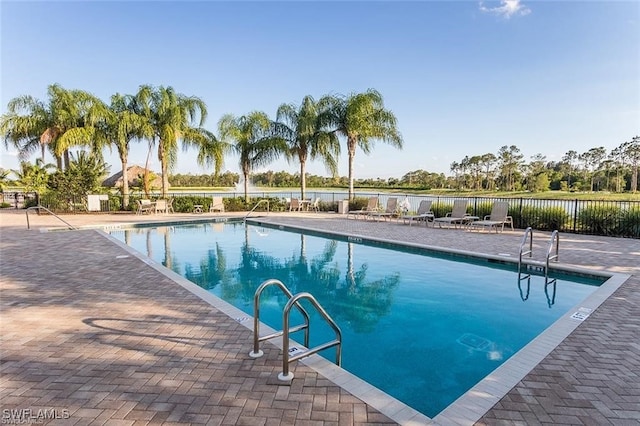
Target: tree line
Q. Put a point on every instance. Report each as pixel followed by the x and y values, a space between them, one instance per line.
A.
pixel 163 118
pixel 593 170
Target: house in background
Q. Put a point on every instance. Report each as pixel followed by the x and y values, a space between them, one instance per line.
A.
pixel 135 175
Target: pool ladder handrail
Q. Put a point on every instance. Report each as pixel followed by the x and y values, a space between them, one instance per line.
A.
pixel 38 207
pixel 555 237
pixel 286 375
pixel 257 352
pixel 528 234
pixel 286 329
pixel 264 200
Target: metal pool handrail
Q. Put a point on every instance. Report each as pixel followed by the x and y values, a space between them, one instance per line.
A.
pixel 254 207
pixel 257 352
pixel 555 237
pixel 50 212
pixel 527 233
pixel 286 375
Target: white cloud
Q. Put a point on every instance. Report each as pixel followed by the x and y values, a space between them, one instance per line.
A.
pixel 507 9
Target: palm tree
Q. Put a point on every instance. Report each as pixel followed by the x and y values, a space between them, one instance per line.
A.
pixel 171 115
pixel 33 177
pixel 4 178
pixel 253 141
pixel 122 125
pixel 362 119
pixel 211 151
pixel 301 128
pixel 31 124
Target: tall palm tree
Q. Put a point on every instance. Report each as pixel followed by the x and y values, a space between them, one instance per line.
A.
pixel 301 129
pixel 31 124
pixel 252 138
pixel 172 116
pixel 211 151
pixel 362 119
pixel 122 125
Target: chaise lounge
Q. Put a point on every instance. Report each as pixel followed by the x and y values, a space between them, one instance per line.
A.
pixel 458 216
pixel 424 213
pixel 372 206
pixel 497 219
pixel 390 211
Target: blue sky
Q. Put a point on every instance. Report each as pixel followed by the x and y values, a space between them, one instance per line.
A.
pixel 462 77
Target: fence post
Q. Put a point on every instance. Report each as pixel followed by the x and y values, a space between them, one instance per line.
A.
pixel 575 215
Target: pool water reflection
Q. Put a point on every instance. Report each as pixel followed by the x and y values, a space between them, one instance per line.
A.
pixel 424 329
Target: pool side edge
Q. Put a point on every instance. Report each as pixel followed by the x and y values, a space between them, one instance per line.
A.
pixel 384 403
pixel 471 406
pixel 474 404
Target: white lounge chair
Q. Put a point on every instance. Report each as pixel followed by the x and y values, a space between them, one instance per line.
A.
pixel 424 213
pixel 145 206
pixel 315 206
pixel 216 205
pixel 161 206
pixel 390 211
pixel 295 205
pixel 497 219
pixel 372 206
pixel 458 216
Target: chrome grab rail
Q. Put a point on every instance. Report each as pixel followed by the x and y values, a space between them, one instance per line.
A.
pixel 38 207
pixel 527 233
pixel 254 207
pixel 286 375
pixel 256 352
pixel 555 237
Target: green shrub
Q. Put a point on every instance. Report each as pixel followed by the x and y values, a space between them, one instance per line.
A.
pixel 440 209
pixel 328 206
pixel 358 203
pixel 115 202
pixel 185 204
pixel 483 208
pixel 5 205
pixel 629 223
pixel 544 218
pixel 231 204
pixel 599 220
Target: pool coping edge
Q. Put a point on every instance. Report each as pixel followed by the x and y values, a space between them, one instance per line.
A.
pixel 469 407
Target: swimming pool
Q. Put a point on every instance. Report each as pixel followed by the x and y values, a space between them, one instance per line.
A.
pixel 424 329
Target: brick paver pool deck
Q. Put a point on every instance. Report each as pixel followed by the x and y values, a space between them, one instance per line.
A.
pixel 94 335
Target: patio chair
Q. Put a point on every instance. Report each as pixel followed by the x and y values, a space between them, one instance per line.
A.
pixel 217 205
pixel 390 211
pixel 372 206
pixel 497 219
pixel 160 206
pixel 424 213
pixel 170 205
pixel 295 205
pixel 145 206
pixel 315 206
pixel 458 216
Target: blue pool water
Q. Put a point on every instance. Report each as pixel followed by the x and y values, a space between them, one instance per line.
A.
pixel 423 328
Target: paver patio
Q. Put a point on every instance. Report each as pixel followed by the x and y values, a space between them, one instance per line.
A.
pixel 95 336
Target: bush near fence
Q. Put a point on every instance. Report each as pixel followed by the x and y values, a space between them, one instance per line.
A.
pixel 610 218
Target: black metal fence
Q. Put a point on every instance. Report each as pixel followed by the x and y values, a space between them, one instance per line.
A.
pixel 595 217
